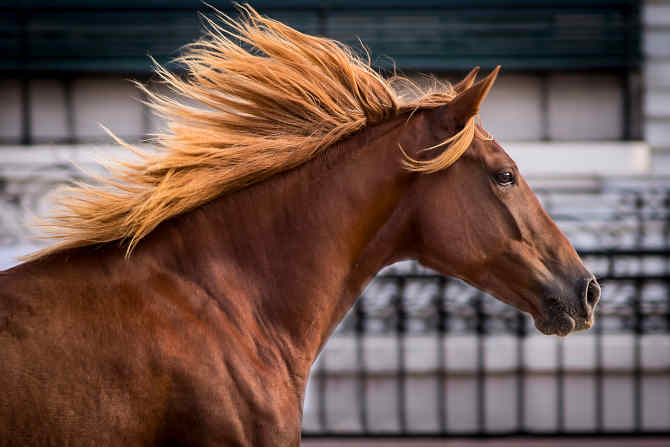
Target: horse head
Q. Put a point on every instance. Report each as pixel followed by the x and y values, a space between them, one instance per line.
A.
pixel 479 221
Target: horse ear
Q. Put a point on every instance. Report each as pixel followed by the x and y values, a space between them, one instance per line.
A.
pixel 466 104
pixel 467 81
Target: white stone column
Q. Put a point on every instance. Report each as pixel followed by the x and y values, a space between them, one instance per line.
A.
pixel 656 112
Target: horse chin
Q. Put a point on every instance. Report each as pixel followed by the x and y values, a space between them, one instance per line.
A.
pixel 561 323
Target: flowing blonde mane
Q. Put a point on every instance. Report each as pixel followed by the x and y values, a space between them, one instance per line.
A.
pixel 273 99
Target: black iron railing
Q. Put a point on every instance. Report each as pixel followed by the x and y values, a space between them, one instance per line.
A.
pixel 424 355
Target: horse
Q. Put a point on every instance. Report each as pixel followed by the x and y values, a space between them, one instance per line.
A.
pixel 190 291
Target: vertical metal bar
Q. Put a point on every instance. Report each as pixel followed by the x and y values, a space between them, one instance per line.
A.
pixel 560 388
pixel 442 325
pixel 599 388
pixel 639 218
pixel 599 394
pixel 599 406
pixel 481 372
pixel 361 377
pixel 321 394
pixel 626 104
pixel 401 353
pixel 26 115
pixel 637 369
pixel 632 92
pixel 666 219
pixel 638 320
pixel 521 374
pixel 544 106
pixel 666 241
pixel 70 124
pixel 667 315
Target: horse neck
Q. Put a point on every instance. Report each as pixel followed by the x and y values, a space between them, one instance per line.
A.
pixel 300 247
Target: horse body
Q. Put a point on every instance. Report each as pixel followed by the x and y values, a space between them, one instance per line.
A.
pixel 206 333
pixel 213 322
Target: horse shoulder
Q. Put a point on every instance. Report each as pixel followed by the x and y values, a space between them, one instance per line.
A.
pixel 130 359
pixel 226 371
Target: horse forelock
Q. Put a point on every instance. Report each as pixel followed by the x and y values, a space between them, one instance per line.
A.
pixel 273 98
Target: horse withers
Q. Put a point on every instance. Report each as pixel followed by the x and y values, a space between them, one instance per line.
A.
pixel 190 292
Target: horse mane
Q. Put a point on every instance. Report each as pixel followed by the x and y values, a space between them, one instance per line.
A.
pixel 273 99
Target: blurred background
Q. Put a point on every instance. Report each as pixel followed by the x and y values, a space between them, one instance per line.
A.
pixel 582 104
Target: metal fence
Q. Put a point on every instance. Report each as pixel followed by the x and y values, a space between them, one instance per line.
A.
pixel 424 355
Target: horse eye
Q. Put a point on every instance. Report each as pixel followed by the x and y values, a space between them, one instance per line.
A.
pixel 504 178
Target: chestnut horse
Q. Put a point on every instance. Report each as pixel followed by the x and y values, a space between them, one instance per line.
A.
pixel 191 292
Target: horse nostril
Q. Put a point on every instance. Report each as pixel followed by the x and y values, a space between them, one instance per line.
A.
pixel 592 293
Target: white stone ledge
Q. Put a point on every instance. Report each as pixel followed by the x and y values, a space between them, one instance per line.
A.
pixel 546 159
pixel 57 162
pixel 581 158
pixel 380 354
pixel 61 153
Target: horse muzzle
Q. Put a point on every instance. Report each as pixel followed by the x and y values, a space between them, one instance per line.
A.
pixel 563 312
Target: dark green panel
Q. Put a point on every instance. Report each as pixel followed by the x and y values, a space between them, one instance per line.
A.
pixel 518 38
pixel 117 36
pixel 10 40
pixel 344 4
